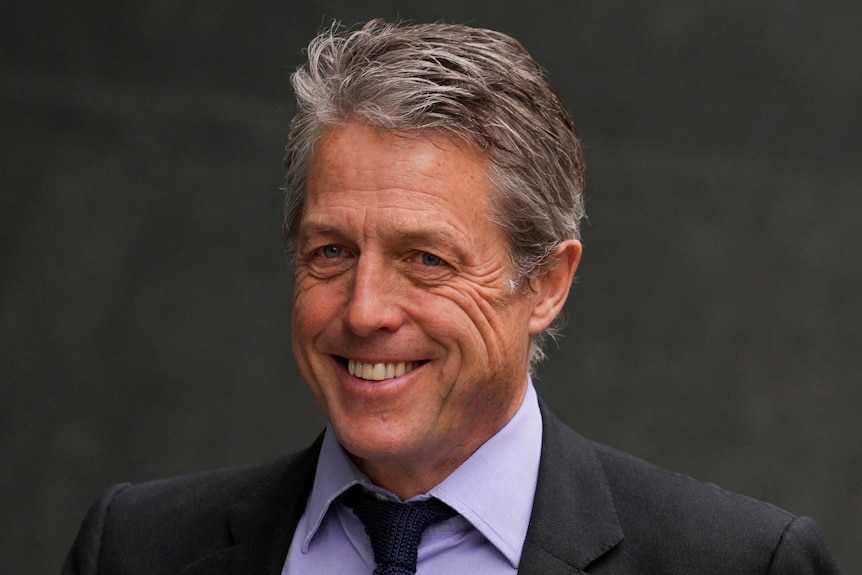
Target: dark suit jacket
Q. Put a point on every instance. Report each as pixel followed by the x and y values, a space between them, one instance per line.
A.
pixel 596 511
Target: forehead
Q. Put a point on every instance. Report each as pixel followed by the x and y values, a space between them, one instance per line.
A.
pixel 364 153
pixel 358 172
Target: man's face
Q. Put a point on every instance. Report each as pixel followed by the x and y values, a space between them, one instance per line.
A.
pixel 401 272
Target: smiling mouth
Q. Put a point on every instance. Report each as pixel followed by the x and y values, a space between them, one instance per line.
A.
pixel 380 371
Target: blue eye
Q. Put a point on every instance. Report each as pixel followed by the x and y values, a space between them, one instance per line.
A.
pixel 431 260
pixel 331 251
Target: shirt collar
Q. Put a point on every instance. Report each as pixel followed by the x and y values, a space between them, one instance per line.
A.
pixel 493 489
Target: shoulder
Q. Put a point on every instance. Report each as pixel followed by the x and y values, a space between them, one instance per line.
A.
pixel 193 497
pixel 671 518
pixel 656 520
pixel 643 490
pixel 154 526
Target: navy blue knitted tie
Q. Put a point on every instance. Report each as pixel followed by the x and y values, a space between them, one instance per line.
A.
pixel 395 528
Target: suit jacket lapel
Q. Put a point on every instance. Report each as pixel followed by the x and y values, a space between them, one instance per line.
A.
pixel 262 524
pixel 574 520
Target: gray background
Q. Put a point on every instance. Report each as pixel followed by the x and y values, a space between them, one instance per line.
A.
pixel 714 328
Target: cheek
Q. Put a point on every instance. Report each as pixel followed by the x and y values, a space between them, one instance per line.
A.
pixel 315 305
pixel 481 321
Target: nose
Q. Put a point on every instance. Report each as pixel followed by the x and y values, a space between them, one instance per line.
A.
pixel 373 304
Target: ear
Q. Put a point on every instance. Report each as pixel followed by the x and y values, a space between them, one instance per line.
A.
pixel 551 288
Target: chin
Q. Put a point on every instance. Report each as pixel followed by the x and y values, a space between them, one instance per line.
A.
pixel 375 442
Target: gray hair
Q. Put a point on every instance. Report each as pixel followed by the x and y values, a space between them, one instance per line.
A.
pixel 476 85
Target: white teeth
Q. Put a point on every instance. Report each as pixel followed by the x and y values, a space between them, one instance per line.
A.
pixel 379 371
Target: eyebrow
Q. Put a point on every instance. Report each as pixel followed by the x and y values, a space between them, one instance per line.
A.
pixel 307 230
pixel 433 237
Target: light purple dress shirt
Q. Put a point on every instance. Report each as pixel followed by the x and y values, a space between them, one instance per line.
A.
pixel 492 492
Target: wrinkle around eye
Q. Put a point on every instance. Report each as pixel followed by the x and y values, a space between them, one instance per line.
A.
pixel 320 263
pixel 428 268
pixel 331 251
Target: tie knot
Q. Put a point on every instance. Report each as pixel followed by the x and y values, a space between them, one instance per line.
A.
pixel 394 528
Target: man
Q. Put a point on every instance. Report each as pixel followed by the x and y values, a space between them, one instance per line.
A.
pixel 434 189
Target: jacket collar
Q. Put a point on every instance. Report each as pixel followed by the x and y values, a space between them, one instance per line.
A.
pixel 574 521
pixel 263 522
